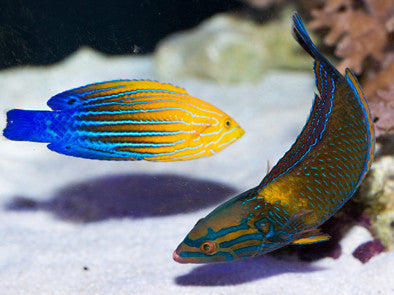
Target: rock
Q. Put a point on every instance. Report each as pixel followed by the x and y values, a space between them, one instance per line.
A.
pixel 229 49
pixel 368 250
pixel 377 195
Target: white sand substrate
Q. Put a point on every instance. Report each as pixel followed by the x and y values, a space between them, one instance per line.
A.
pixel 77 226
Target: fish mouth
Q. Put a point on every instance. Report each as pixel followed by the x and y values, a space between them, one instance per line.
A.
pixel 178 258
pixel 241 132
pixel 238 132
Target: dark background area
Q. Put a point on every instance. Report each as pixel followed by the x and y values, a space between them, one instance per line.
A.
pixel 45 31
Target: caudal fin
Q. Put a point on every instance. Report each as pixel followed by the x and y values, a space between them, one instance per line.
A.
pixel 302 37
pixel 326 74
pixel 26 125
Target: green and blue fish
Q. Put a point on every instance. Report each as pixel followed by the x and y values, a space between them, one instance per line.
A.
pixel 307 186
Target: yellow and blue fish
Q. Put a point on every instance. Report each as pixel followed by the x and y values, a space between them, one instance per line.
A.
pixel 307 186
pixel 127 120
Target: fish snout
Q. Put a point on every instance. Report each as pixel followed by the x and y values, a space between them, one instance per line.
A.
pixel 177 255
pixel 240 131
pixel 186 254
pixel 178 258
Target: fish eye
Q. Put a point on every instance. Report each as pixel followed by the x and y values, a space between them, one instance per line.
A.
pixel 227 123
pixel 208 247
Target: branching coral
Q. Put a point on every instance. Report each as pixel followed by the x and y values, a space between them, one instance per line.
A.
pixel 364 33
pixel 383 106
pixel 361 32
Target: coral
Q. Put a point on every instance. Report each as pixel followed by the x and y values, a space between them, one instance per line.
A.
pixel 383 105
pixel 381 97
pixel 364 33
pixel 359 32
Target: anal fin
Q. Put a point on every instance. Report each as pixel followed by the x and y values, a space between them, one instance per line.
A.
pixel 89 153
pixel 311 236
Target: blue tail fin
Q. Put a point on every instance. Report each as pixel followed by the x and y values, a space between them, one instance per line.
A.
pixel 28 125
pixel 302 37
pixel 325 73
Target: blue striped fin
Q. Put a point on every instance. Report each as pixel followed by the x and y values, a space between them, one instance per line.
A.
pixel 115 90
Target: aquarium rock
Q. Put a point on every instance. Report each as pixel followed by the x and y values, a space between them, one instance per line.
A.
pixel 368 250
pixel 377 194
pixel 228 48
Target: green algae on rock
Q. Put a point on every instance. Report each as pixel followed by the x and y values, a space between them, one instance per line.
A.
pixel 230 49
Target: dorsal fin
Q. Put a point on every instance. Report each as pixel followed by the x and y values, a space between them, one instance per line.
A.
pixel 326 77
pixel 307 139
pixel 111 90
pixel 352 81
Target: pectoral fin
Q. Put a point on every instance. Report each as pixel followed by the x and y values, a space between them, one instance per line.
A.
pixel 300 220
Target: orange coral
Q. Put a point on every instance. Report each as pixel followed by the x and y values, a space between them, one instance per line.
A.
pixel 364 32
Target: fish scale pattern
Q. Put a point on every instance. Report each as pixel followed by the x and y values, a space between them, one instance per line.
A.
pixel 116 126
pixel 331 169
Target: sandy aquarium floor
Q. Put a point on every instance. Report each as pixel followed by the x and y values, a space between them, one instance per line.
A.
pixel 77 226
